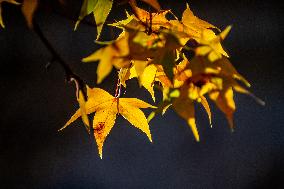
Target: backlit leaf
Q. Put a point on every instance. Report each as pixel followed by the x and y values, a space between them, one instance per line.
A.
pixel 87 8
pixel 101 12
pixel 185 108
pixel 107 108
pixel 211 44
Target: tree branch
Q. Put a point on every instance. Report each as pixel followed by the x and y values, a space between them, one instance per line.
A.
pixel 69 74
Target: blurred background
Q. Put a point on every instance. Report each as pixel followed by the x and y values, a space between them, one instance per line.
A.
pixel 36 101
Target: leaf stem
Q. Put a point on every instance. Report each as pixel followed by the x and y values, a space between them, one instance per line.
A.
pixel 118 89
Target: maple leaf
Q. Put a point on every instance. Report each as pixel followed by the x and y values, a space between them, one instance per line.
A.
pixel 184 107
pixel 190 26
pixel 151 21
pixel 153 73
pixel 221 68
pixel 166 55
pixel 109 56
pixel 198 77
pixel 224 99
pixel 106 108
pixel 86 9
pixel 181 74
pixel 100 9
pixel 145 74
pixel 210 44
pixel 219 80
pixel 120 53
pixel 8 1
pixel 123 76
pixel 143 20
pixel 218 83
pixel 193 22
pixel 146 77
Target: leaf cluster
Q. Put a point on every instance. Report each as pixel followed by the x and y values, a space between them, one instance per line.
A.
pixel 182 57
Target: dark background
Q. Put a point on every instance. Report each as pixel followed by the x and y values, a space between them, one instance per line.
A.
pixel 35 102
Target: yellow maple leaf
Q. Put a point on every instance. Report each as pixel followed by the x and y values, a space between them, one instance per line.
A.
pixel 146 77
pixel 143 20
pixel 109 56
pixel 224 99
pixel 193 22
pixel 184 107
pixel 190 26
pixel 120 53
pixel 166 55
pixel 219 80
pixel 221 68
pixel 123 76
pixel 106 108
pixel 206 106
pixel 145 74
pixel 211 44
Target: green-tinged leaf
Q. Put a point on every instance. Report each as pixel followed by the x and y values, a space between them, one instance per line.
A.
pixel 86 9
pixel 161 109
pixel 166 55
pixel 101 12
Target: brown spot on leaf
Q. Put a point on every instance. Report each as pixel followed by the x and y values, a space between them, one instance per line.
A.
pixel 99 128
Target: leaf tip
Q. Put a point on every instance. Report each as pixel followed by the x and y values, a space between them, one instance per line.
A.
pixel 191 123
pixel 151 116
pixel 100 149
pixel 187 5
pixel 150 138
pixel 99 80
pixel 76 25
pixel 62 128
